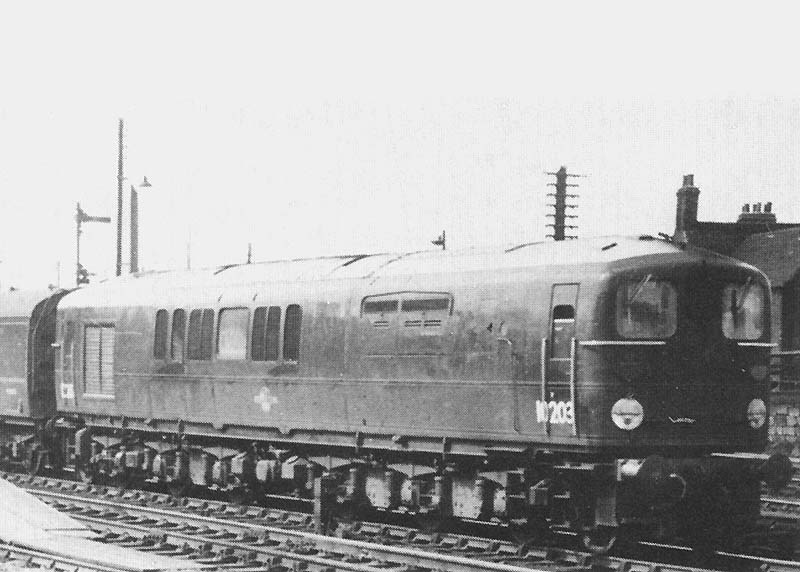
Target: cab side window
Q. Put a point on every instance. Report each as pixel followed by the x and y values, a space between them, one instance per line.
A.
pixel 201 334
pixel 232 333
pixel 178 334
pixel 291 332
pixel 160 335
pixel 266 333
pixel 563 330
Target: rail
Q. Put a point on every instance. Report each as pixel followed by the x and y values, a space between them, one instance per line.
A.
pixel 208 533
pixel 14 557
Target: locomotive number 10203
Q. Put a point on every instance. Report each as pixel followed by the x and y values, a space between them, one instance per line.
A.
pixel 555 412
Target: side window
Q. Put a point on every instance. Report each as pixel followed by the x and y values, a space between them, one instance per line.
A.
pixel 207 334
pixel 178 334
pixel 195 318
pixel 274 333
pixel 563 330
pixel 407 323
pixel 380 310
pixel 232 333
pixel 425 310
pixel 201 334
pixel 98 360
pixel 291 332
pixel 266 333
pixel 160 336
pixel 259 331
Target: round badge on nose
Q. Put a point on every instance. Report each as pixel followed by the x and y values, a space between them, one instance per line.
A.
pixel 627 413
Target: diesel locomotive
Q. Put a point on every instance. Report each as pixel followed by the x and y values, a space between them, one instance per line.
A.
pixel 588 385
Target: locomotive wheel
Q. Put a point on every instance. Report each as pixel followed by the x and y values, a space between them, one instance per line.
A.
pixel 240 494
pixel 179 488
pixel 344 518
pixel 599 540
pixel 34 462
pixel 433 522
pixel 85 474
pixel 532 530
pixel 349 511
pixel 129 480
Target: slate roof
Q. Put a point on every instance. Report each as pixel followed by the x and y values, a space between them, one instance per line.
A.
pixel 776 254
pixel 727 237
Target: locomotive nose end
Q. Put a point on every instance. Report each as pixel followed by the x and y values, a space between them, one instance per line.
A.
pixel 776 471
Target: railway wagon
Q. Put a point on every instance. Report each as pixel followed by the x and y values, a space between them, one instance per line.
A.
pixel 592 384
pixel 27 386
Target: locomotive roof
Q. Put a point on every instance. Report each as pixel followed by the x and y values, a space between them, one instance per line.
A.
pixel 209 283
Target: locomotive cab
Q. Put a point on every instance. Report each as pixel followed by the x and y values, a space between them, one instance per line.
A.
pixel 683 360
pixel 688 338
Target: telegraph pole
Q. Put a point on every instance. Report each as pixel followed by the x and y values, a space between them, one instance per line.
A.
pixel 134 245
pixel 561 204
pixel 120 179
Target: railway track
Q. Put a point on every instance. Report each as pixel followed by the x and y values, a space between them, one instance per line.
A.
pixel 785 503
pixel 18 557
pixel 219 535
pixel 780 507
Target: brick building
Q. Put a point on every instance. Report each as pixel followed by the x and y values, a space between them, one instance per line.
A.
pixel 758 239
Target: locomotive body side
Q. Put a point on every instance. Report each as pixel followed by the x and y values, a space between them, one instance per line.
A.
pixel 474 378
pixel 614 377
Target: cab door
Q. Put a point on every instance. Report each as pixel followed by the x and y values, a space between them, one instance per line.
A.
pixel 556 405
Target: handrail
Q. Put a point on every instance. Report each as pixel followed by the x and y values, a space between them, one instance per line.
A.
pixel 622 343
pixel 544 384
pixel 663 343
pixel 573 349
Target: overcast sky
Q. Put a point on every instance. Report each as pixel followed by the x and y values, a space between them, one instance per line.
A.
pixel 346 127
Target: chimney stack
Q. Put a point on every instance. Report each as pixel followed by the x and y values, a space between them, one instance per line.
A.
pixel 686 212
pixel 754 214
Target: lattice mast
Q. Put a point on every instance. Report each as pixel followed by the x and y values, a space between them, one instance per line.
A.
pixel 562 200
